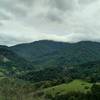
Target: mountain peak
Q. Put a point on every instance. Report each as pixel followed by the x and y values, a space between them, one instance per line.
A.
pixel 47 41
pixel 53 41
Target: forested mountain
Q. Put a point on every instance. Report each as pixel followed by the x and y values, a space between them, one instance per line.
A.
pixel 51 70
pixel 45 53
pixel 46 57
pixel 34 50
pixel 9 60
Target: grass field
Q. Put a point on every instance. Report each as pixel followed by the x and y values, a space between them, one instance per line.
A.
pixel 76 85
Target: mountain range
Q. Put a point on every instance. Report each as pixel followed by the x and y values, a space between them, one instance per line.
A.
pixel 46 53
pixel 46 57
pixel 31 69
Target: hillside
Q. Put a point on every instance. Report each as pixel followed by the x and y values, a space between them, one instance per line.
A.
pixel 11 63
pixel 49 70
pixel 74 86
pixel 57 61
pixel 88 71
pixel 34 50
pixel 15 89
pixel 45 53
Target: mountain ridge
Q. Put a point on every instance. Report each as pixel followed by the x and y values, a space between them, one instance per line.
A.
pixel 50 53
pixel 9 59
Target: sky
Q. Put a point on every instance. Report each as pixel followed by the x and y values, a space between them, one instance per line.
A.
pixel 24 21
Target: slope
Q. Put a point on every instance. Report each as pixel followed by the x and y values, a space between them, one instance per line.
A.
pixel 45 53
pixel 9 61
pixel 74 86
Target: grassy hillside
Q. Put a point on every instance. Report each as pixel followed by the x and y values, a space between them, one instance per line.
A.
pixel 77 89
pixel 74 86
pixel 15 89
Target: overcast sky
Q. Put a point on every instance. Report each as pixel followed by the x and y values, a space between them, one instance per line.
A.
pixel 61 20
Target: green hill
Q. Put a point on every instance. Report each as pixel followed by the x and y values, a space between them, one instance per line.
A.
pixel 44 69
pixel 74 86
pixel 45 53
pixel 11 63
pixel 15 89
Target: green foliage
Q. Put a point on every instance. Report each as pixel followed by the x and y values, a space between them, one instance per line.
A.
pixel 9 59
pixel 47 53
pixel 74 86
pixel 94 94
pixel 42 70
pixel 14 89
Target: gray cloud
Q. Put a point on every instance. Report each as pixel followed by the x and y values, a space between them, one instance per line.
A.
pixel 54 17
pixel 27 2
pixel 61 20
pixel 7 40
pixel 62 4
pixel 1 24
pixel 4 17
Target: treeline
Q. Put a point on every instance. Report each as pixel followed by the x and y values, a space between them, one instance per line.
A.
pixel 88 72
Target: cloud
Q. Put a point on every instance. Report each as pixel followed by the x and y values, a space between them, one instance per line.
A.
pixel 61 20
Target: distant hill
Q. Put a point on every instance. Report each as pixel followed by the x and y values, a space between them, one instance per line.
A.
pixel 48 60
pixel 34 50
pixel 76 85
pixel 9 60
pixel 45 53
